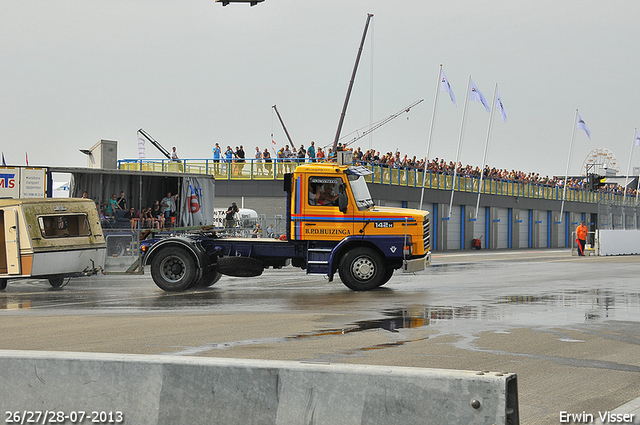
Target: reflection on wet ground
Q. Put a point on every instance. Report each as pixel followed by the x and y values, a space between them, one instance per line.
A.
pixel 595 304
pixel 462 298
pixel 413 308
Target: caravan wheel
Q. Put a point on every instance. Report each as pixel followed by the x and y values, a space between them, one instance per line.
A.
pixel 56 281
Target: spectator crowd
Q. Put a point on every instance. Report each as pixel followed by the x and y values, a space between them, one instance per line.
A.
pixel 115 213
pixel 288 158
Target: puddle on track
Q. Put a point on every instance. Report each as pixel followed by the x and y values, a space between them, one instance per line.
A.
pixel 467 321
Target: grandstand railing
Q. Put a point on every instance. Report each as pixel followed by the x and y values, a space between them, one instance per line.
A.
pixel 253 169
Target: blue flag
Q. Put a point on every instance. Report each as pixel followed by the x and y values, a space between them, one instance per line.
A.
pixel 445 86
pixel 476 94
pixel 583 126
pixel 499 105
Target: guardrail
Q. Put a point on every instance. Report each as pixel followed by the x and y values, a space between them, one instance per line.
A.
pixel 64 387
pixel 253 169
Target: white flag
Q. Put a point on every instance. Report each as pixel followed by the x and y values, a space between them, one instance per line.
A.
pixel 637 139
pixel 583 126
pixel 475 94
pixel 141 147
pixel 445 86
pixel 499 105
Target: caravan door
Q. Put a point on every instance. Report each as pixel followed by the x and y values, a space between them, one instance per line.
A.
pixel 11 241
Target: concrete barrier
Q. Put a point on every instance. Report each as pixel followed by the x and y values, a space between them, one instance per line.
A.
pixel 617 242
pixel 188 390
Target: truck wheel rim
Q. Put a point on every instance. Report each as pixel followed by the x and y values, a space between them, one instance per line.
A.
pixel 173 269
pixel 363 268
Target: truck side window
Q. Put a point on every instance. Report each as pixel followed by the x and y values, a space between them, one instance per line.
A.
pixel 323 191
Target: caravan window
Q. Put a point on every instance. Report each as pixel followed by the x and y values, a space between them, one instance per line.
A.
pixel 64 226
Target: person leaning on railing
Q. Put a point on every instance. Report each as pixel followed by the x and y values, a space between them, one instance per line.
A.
pixel 268 162
pixel 258 162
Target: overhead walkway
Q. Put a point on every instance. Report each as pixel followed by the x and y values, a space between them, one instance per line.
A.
pixel 253 170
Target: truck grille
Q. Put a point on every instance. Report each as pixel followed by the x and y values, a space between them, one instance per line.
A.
pixel 426 233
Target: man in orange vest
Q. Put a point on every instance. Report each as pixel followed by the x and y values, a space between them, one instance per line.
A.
pixel 581 237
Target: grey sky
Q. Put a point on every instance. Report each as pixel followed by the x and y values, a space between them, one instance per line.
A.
pixel 192 73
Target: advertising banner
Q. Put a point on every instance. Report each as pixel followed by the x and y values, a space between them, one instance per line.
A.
pixel 196 202
pixel 33 183
pixel 18 182
pixel 9 182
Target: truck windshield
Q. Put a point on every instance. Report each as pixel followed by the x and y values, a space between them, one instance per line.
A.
pixel 360 192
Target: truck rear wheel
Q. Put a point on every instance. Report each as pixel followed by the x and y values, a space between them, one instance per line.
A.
pixel 173 269
pixel 3 284
pixel 362 269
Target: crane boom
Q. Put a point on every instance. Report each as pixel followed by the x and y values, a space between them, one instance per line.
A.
pixel 283 126
pixel 155 143
pixel 383 122
pixel 353 77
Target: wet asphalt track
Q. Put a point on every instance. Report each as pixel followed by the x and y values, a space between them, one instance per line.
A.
pixel 568 326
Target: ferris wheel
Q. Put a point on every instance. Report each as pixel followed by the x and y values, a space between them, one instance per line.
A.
pixel 600 161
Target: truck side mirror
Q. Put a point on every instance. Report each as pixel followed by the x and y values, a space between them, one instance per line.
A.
pixel 343 200
pixel 288 178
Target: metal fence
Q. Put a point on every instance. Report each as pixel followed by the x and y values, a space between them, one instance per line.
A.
pixel 123 251
pixel 262 227
pixel 614 214
pixel 252 169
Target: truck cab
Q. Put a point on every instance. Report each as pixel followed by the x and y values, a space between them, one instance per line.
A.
pixel 50 239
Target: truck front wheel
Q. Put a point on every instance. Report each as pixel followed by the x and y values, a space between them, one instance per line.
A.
pixel 362 269
pixel 388 273
pixel 173 269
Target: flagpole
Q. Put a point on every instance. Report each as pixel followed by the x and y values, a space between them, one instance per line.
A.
pixel 486 147
pixel 433 119
pixel 455 166
pixel 637 186
pixel 566 178
pixel 626 180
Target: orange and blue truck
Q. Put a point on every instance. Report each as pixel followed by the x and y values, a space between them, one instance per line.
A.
pixel 332 226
